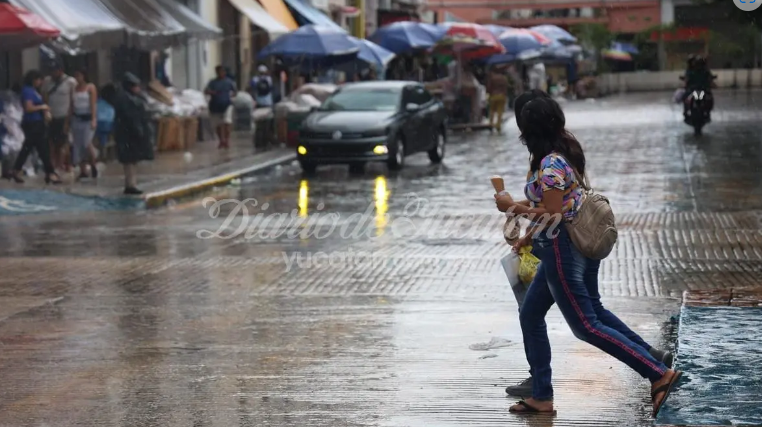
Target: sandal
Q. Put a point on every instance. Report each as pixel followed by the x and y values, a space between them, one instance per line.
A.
pixel 666 389
pixel 522 407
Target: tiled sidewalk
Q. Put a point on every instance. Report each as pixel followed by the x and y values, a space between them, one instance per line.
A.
pixel 171 171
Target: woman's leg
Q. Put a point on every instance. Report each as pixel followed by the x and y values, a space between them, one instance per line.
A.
pixel 565 268
pixel 537 302
pixel 606 317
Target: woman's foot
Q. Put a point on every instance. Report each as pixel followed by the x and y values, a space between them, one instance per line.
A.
pixel 132 191
pixel 16 177
pixel 660 389
pixel 663 356
pixel 521 389
pixel 93 171
pixel 533 406
pixel 52 179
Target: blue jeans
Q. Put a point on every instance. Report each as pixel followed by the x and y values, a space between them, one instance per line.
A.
pixel 569 279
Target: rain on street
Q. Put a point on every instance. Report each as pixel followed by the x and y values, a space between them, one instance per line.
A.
pixel 131 318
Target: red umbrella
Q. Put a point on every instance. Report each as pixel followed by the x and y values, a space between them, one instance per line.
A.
pixel 20 28
pixel 469 41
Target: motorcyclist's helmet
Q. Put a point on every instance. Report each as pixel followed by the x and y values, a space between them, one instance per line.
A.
pixel 691 61
pixel 700 62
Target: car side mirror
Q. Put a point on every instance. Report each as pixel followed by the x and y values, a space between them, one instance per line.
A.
pixel 412 108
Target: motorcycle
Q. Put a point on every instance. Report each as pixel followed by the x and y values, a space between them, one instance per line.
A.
pixel 699 109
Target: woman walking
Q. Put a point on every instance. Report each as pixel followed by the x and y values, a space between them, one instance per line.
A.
pixel 34 125
pixel 84 116
pixel 565 276
pixel 132 130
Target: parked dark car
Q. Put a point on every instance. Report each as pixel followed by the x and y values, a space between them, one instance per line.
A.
pixel 381 121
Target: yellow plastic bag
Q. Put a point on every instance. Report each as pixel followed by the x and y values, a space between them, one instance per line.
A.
pixel 528 265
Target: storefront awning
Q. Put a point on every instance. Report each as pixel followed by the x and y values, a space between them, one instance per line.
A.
pixel 259 17
pixel 149 26
pixel 309 15
pixel 85 24
pixel 196 26
pixel 278 10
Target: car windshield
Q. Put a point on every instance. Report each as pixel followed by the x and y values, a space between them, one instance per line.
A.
pixel 378 99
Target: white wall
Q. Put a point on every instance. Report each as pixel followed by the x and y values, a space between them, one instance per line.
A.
pixel 210 51
pixel 670 80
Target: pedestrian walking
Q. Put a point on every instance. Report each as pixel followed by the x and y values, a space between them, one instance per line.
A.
pixel 221 91
pixel 565 276
pixel 497 89
pixel 84 122
pixel 131 130
pixel 57 90
pixel 34 124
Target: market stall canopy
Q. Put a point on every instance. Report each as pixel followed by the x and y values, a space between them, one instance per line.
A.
pixel 259 17
pixel 20 28
pixel 149 25
pixel 85 25
pixel 196 26
pixel 306 15
pixel 278 10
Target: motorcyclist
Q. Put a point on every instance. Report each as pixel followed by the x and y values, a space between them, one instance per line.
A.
pixel 698 77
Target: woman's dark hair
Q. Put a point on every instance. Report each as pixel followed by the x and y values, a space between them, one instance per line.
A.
pixel 84 74
pixel 544 131
pixel 108 93
pixel 523 99
pixel 31 76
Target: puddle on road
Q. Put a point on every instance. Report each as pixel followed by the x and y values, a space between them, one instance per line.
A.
pixel 494 343
pixel 24 202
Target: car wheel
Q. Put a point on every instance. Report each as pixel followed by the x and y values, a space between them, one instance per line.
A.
pixel 437 153
pixel 397 155
pixel 308 168
pixel 357 168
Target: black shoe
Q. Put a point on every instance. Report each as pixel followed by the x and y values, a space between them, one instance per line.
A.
pixel 662 356
pixel 521 389
pixel 132 191
pixel 93 172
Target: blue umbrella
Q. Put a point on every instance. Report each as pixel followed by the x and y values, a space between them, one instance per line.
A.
pixel 401 37
pixel 372 53
pixel 556 33
pixel 312 43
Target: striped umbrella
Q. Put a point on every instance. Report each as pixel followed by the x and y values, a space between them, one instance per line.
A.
pixel 616 55
pixel 469 41
pixel 556 33
pixel 517 40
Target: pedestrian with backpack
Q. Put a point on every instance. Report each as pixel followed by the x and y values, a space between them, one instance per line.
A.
pixel 575 233
pixel 261 88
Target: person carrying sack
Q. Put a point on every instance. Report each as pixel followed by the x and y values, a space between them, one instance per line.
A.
pixel 567 275
pixel 261 88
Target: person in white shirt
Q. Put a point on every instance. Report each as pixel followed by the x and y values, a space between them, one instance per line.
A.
pixel 57 91
pixel 261 88
pixel 537 77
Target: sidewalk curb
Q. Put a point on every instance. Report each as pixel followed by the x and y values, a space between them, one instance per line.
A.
pixel 158 198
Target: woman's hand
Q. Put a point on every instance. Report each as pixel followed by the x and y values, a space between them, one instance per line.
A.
pixel 94 124
pixel 524 241
pixel 504 202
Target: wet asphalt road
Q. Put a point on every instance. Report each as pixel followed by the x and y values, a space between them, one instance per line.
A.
pixel 359 309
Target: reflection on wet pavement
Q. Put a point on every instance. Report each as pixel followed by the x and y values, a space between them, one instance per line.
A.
pixel 359 307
